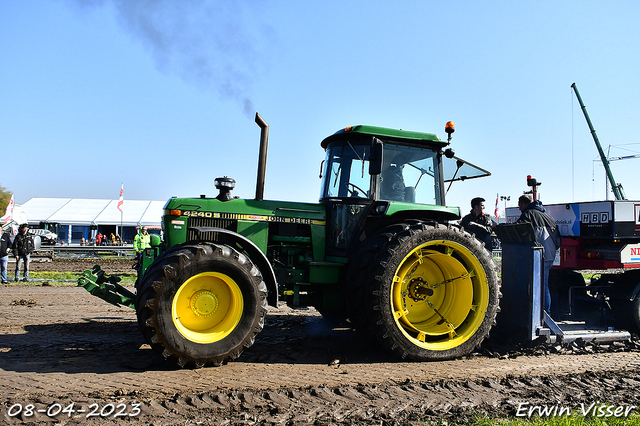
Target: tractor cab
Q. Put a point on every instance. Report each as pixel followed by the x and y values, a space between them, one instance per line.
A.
pixel 377 172
pixel 379 164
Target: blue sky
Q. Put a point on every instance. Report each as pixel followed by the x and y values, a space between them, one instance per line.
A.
pixel 161 95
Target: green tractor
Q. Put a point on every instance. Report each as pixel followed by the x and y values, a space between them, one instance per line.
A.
pixel 377 249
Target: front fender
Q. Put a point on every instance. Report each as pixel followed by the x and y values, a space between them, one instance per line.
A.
pixel 256 255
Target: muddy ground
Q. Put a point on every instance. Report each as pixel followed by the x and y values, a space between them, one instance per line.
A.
pixel 111 265
pixel 62 350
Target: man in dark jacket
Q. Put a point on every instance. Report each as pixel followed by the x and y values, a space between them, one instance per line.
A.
pixel 478 223
pixel 546 234
pixel 5 244
pixel 22 248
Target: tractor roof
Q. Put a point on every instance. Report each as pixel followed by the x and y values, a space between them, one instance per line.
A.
pixel 398 135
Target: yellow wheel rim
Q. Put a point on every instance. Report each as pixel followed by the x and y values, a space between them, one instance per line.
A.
pixel 439 295
pixel 207 307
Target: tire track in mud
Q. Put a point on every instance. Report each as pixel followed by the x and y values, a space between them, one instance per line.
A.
pixel 405 403
pixel 69 347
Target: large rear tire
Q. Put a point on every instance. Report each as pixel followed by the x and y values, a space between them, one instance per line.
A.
pixel 424 291
pixel 201 304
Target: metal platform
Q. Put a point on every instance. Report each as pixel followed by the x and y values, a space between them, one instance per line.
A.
pixel 570 331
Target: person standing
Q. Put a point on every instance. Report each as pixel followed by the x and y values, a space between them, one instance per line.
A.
pixel 22 248
pixel 142 240
pixel 546 234
pixel 5 243
pixel 478 223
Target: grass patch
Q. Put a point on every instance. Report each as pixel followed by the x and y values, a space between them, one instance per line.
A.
pixel 49 275
pixel 588 277
pixel 573 420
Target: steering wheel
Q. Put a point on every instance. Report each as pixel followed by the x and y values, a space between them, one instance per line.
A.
pixel 353 191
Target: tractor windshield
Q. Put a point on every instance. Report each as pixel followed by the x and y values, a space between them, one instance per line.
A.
pixel 409 175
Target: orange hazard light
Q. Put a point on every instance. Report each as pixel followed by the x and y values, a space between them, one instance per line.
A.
pixel 449 127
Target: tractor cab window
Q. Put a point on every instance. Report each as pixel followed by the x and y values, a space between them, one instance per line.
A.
pixel 409 175
pixel 346 173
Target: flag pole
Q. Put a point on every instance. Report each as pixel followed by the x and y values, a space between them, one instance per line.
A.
pixel 120 202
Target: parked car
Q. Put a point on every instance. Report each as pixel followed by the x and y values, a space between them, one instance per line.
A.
pixel 46 237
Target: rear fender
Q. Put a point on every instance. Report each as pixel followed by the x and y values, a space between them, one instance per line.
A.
pixel 256 255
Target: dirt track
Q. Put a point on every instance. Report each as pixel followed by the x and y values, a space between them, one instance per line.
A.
pixel 59 345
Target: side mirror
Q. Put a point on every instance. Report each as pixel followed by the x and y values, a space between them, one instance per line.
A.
pixel 375 159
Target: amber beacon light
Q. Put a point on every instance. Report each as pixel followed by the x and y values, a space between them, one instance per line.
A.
pixel 449 128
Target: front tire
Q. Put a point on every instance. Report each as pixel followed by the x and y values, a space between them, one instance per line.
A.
pixel 201 304
pixel 430 292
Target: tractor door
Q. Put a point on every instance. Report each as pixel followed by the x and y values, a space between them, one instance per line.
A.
pixel 347 190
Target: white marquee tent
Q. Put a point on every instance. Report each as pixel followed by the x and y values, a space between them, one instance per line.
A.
pixel 86 212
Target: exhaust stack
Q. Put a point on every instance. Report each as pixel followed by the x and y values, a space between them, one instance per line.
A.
pixel 262 157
